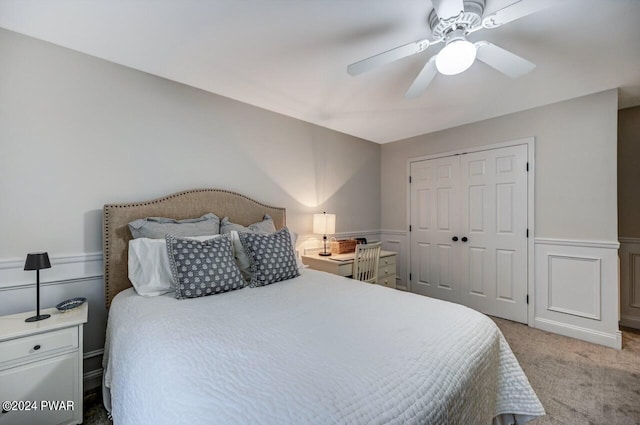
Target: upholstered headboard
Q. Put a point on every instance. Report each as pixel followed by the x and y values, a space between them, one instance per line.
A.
pixel 189 204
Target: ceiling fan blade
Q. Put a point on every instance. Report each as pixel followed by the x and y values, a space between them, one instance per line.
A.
pixel 517 10
pixel 447 9
pixel 503 60
pixel 388 57
pixel 423 79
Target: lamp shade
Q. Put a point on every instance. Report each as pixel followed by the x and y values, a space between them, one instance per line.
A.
pixel 37 261
pixel 324 224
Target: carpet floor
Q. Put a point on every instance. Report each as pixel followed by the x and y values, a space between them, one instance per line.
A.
pixel 578 383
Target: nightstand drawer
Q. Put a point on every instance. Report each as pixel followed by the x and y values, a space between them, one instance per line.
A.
pixel 37 345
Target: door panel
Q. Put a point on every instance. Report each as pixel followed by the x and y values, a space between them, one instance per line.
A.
pixel 504 274
pixel 423 208
pixel 444 208
pixel 434 194
pixel 503 235
pixel 476 271
pixel 504 208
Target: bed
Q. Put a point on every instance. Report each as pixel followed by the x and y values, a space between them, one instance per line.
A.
pixel 314 349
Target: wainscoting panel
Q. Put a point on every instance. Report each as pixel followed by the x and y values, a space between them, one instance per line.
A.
pixel 630 282
pixel 563 271
pixel 68 277
pixel 577 289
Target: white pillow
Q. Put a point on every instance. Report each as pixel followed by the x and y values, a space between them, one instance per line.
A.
pixel 149 268
pixel 294 240
pixel 243 259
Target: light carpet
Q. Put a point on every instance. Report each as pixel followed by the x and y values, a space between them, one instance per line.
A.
pixel 579 383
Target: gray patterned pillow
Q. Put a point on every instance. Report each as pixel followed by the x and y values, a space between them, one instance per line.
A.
pixel 202 268
pixel 272 257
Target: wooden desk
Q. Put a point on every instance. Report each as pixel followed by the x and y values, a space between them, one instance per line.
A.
pixel 386 267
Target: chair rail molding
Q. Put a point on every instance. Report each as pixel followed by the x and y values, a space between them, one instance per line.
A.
pixel 63 268
pixel 630 282
pixel 577 289
pixel 575 242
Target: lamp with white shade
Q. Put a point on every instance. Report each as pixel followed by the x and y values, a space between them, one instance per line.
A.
pixel 324 224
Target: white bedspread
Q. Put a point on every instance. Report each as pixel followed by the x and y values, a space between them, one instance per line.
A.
pixel 317 349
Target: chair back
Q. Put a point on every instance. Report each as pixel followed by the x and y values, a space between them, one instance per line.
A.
pixel 365 262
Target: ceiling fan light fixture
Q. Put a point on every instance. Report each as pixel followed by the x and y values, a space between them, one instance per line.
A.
pixel 456 57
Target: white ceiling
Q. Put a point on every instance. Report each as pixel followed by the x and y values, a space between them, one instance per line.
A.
pixel 290 56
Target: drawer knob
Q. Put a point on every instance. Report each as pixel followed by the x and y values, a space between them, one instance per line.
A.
pixel 37 347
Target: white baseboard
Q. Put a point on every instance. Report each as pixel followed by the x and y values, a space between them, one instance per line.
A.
pixel 613 340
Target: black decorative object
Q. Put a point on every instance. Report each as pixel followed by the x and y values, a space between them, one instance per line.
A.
pixel 36 261
pixel 71 303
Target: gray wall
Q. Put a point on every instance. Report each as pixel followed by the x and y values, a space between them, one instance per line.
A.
pixel 77 132
pixel 575 186
pixel 629 172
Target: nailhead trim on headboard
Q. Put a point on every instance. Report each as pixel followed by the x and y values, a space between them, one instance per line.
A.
pixel 110 212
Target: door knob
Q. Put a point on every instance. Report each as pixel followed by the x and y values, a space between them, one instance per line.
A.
pixel 464 239
pixel 455 239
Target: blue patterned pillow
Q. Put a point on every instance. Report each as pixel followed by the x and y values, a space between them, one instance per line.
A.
pixel 202 268
pixel 272 257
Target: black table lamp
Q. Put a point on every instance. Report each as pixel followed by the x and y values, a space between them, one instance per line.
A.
pixel 36 261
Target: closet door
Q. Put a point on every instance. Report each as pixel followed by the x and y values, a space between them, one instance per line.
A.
pixel 494 256
pixel 468 236
pixel 435 186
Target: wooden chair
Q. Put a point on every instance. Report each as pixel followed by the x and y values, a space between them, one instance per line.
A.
pixel 365 262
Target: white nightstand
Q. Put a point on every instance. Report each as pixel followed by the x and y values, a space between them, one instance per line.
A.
pixel 42 362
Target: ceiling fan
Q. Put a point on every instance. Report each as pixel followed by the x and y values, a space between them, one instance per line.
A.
pixel 451 21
